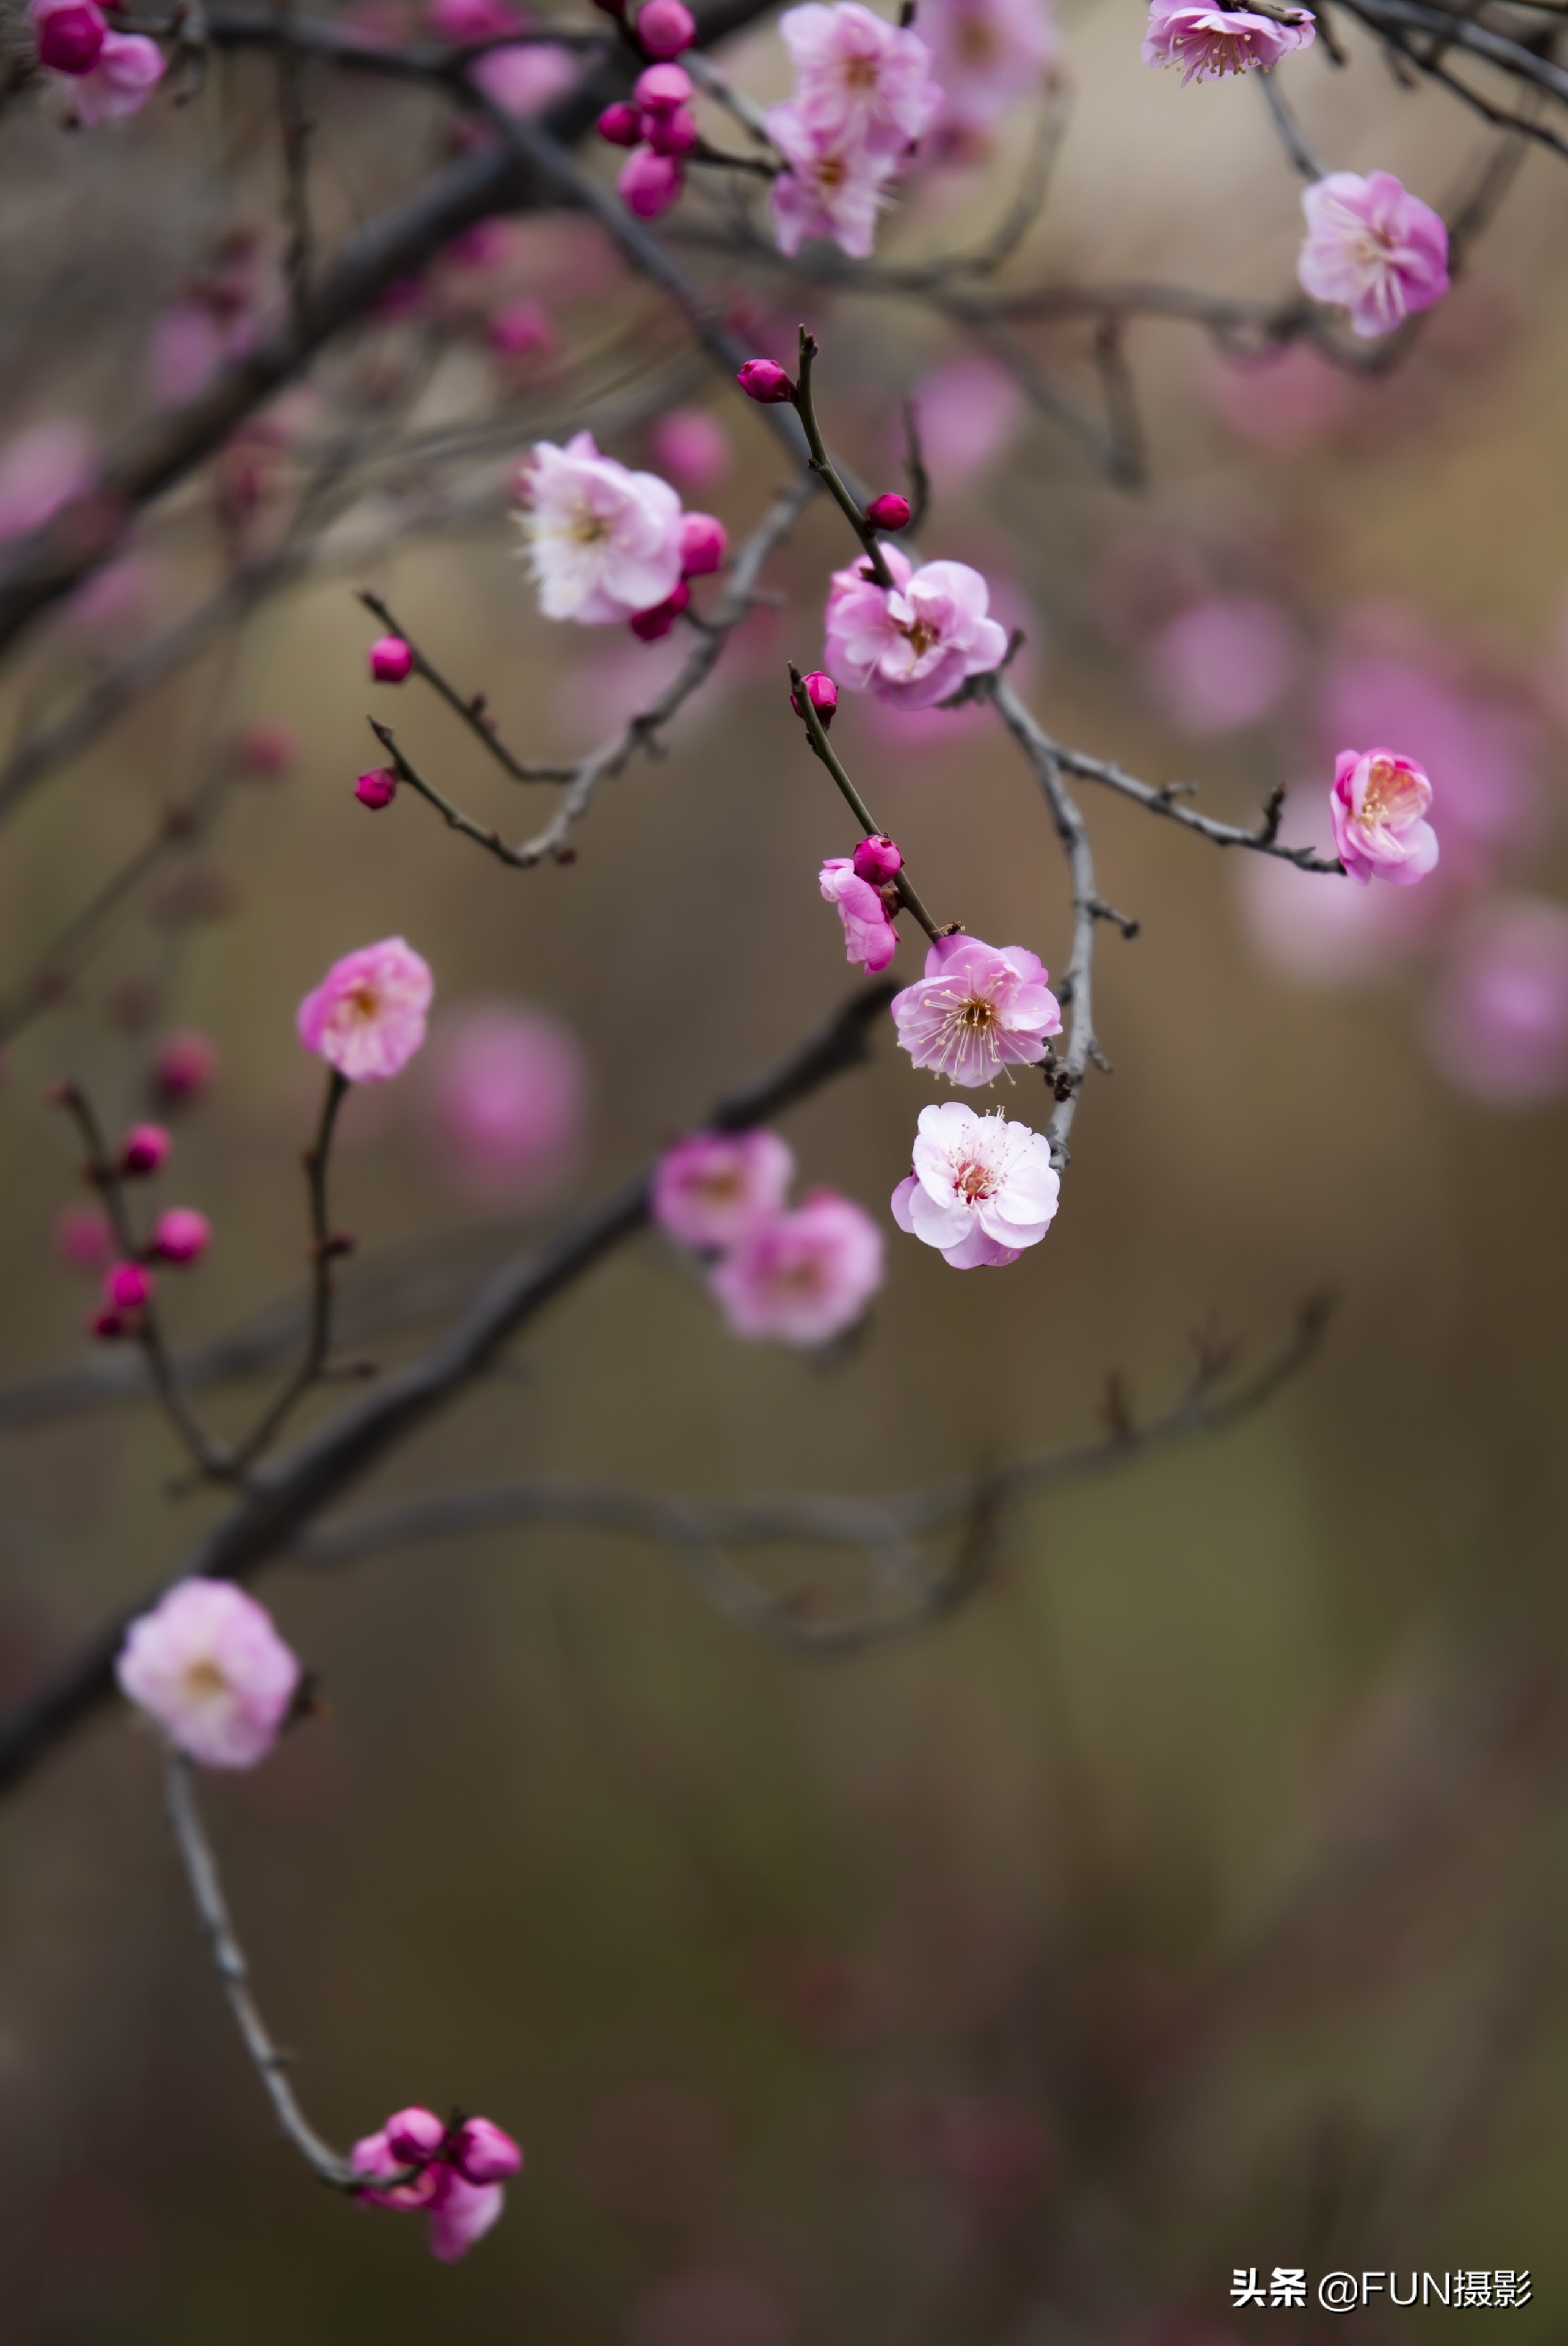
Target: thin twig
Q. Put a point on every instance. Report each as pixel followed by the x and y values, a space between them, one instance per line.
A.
pixel 816 734
pixel 1285 122
pixel 472 711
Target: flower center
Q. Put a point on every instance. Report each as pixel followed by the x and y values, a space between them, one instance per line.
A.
pixel 719 1189
pixel 830 171
pixel 977 44
pixel 363 1002
pixel 921 633
pixel 861 73
pixel 204 1680
pixel 1384 794
pixel 589 528
pixel 973 1180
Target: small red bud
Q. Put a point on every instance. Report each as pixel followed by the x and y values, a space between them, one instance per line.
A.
pixel 377 788
pixel 618 124
pixel 765 380
pixel 664 27
pixel 821 692
pixel 878 860
pixel 890 511
pixel 649 626
pixel 391 660
pixel 145 1146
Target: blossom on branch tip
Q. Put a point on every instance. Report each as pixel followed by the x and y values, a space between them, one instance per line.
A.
pixel 144 1149
pixel 127 71
pixel 704 544
pixel 650 626
pixel 181 1235
pixel 1209 43
pixel 858 81
pixel 367 1017
pixel 712 1188
pixel 914 643
pixel 664 27
pixel 210 1667
pixel 1378 805
pixel 821 692
pixel 978 1009
pixel 870 939
pixel 603 542
pixel 890 511
pixel 392 660
pixel 766 381
pixel 833 188
pixel 377 788
pixel 803 1277
pixel 456 2179
pixel 1372 248
pixel 982 1188
pixel 69 34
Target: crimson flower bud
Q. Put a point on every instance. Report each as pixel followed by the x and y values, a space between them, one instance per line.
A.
pixel 664 27
pixel 413 2136
pixel 391 660
pixel 145 1148
pixel 105 1323
pixel 649 626
pixel 821 692
pixel 377 788
pixel 70 36
pixel 128 1287
pixel 765 380
pixel 660 89
pixel 890 511
pixel 482 2152
pixel 181 1235
pixel 185 1066
pixel 878 860
pixel 704 543
pixel 649 183
pixel 618 124
pixel 670 133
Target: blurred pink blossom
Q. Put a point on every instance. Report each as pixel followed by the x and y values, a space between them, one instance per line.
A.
pixel 69 34
pixel 1372 248
pixel 916 642
pixel 508 1088
pixel 714 1189
pixel 184 1067
pixel 40 471
pixel 520 329
pixel 604 542
pixel 1223 663
pixel 210 1667
pixel 977 1010
pixel 870 939
pixel 129 69
pixel 367 1017
pixel 988 54
pixel 693 446
pixel 1378 806
pixel 1208 43
pixel 1499 1021
pixel 82 1239
pixel 1283 399
pixel 649 183
pixel 181 1235
pixel 982 1188
pixel 1312 927
pixel 830 190
pixel 458 2180
pixel 527 79
pixel 664 27
pixel 803 1277
pixel 969 410
pixel 860 82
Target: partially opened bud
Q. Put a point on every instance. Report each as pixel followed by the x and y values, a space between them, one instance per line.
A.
pixel 483 2152
pixel 660 89
pixel 145 1146
pixel 821 692
pixel 70 36
pixel 878 860
pixel 890 511
pixel 619 124
pixel 664 27
pixel 649 626
pixel 413 2136
pixel 128 1287
pixel 649 183
pixel 391 660
pixel 704 543
pixel 765 380
pixel 181 1235
pixel 377 788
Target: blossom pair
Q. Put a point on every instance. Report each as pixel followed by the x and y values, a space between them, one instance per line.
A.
pixel 111 74
pixel 607 544
pixel 864 94
pixel 800 1274
pixel 452 2175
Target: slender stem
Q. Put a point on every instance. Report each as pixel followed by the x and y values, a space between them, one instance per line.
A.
pixel 1285 124
pixel 805 408
pixel 269 2060
pixel 472 712
pixel 817 735
pixel 485 834
pixel 325 1247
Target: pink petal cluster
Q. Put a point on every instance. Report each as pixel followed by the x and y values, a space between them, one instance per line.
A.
pixel 526 77
pixel 367 1017
pixel 870 939
pixel 912 644
pixel 1208 43
pixel 111 74
pixel 978 1009
pixel 1372 248
pixel 453 2174
pixel 803 1276
pixel 987 54
pixel 692 444
pixel 659 126
pixel 864 94
pixel 1378 806
pixel 604 543
pixel 710 1190
pixel 832 190
pixel 509 1095
pixel 1500 1022
pixel 1224 662
pixel 70 34
pixel 982 1188
pixel 208 1666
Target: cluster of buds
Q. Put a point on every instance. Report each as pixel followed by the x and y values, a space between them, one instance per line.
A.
pixel 89 1241
pixel 451 2174
pixel 704 544
pixel 659 126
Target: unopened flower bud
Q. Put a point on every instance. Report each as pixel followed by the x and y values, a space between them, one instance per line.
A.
pixel 765 380
pixel 391 660
pixel 377 788
pixel 649 626
pixel 145 1146
pixel 128 1287
pixel 660 89
pixel 105 1323
pixel 877 859
pixel 664 27
pixel 483 2152
pixel 890 511
pixel 413 2136
pixel 618 124
pixel 70 36
pixel 704 543
pixel 821 692
pixel 181 1235
pixel 185 1066
pixel 672 133
pixel 649 183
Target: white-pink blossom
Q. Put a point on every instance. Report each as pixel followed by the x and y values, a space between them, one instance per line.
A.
pixel 859 81
pixel 978 1009
pixel 833 188
pixel 870 939
pixel 1209 43
pixel 367 1017
pixel 1378 804
pixel 1372 248
pixel 987 54
pixel 982 1188
pixel 208 1666
pixel 604 543
pixel 914 643
pixel 803 1277
pixel 714 1187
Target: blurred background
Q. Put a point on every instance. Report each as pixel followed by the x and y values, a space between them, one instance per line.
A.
pixel 1195 1899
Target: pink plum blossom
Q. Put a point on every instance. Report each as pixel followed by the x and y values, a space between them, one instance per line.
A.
pixel 664 27
pixel 377 788
pixel 915 643
pixel 526 79
pixel 210 1667
pixel 693 445
pixel 803 1276
pixel 870 939
pixel 1498 1024
pixel 822 694
pixel 1378 804
pixel 878 859
pixel 982 1188
pixel 129 69
pixel 650 626
pixel 604 542
pixel 860 81
pixel 508 1091
pixel 766 381
pixel 1209 43
pixel 520 329
pixel 457 2177
pixel 392 660
pixel 987 54
pixel 978 1009
pixel 620 123
pixel 890 511
pixel 1223 663
pixel 185 1066
pixel 1372 248
pixel 649 183
pixel 181 1235
pixel 463 21
pixel 144 1149
pixel 969 410
pixel 832 190
pixel 367 1017
pixel 711 1191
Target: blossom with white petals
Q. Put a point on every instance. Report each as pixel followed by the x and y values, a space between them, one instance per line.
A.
pixel 604 543
pixel 982 1190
